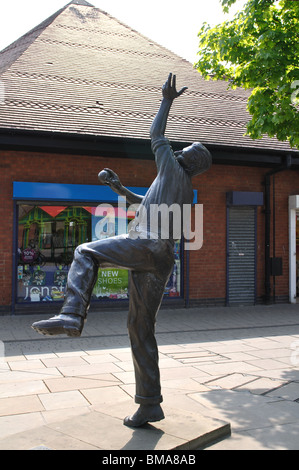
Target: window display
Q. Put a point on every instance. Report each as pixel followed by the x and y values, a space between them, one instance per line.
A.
pixel 47 238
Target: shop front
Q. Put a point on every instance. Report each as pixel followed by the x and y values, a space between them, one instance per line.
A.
pixel 50 221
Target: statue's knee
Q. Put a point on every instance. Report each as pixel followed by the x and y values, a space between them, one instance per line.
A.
pixel 77 251
pixel 80 250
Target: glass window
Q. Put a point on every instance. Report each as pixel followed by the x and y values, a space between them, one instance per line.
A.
pixel 47 238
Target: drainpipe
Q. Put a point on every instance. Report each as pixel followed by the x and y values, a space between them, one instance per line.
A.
pixel 287 164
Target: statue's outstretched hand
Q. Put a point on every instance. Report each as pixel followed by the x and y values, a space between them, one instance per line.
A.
pixel 110 178
pixel 169 88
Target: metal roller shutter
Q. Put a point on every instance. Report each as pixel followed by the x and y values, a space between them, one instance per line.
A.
pixel 241 255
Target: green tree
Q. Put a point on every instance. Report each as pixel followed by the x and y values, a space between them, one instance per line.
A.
pixel 258 50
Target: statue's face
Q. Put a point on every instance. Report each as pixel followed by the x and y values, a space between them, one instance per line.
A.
pixel 187 158
pixel 180 158
pixel 193 158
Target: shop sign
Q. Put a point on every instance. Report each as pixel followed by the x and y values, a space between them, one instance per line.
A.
pixel 112 283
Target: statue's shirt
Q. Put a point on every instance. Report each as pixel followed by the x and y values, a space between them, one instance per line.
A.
pixel 160 215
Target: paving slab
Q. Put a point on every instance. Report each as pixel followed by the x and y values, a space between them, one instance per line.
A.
pixel 100 431
pixel 225 365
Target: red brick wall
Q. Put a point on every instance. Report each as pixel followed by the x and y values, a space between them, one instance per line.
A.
pixel 6 218
pixel 208 265
pixel 286 183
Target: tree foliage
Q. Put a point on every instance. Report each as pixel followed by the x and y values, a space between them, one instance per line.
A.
pixel 259 50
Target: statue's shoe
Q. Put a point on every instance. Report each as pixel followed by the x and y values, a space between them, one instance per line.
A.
pixel 70 325
pixel 144 414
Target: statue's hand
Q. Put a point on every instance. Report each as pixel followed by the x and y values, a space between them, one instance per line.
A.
pixel 169 88
pixel 109 178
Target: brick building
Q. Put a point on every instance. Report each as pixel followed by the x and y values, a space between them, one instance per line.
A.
pixel 80 93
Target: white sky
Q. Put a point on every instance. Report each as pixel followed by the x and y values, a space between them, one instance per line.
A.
pixel 170 23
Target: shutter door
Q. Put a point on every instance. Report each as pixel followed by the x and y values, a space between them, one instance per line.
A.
pixel 241 256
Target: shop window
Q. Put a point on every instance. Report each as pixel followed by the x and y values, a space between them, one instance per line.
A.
pixel 47 238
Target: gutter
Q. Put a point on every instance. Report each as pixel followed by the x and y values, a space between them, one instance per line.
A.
pixel 125 147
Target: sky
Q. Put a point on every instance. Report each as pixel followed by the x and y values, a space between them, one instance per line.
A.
pixel 172 24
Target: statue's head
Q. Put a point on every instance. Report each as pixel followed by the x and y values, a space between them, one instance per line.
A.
pixel 195 159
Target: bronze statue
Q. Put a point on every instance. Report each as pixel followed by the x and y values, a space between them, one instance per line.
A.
pixel 144 251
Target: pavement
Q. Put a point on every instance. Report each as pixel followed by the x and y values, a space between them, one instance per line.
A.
pixel 231 373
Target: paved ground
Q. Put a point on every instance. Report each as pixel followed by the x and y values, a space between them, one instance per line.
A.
pixel 238 365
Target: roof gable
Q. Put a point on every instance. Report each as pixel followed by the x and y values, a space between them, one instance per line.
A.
pixel 82 71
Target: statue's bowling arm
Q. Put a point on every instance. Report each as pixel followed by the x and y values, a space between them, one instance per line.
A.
pixel 110 178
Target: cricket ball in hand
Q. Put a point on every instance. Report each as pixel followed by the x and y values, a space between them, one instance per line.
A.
pixel 103 176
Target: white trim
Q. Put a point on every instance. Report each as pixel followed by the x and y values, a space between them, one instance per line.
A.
pixel 293 206
pixel 294 202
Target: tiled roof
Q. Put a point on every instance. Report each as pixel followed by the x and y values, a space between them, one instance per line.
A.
pixel 84 72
